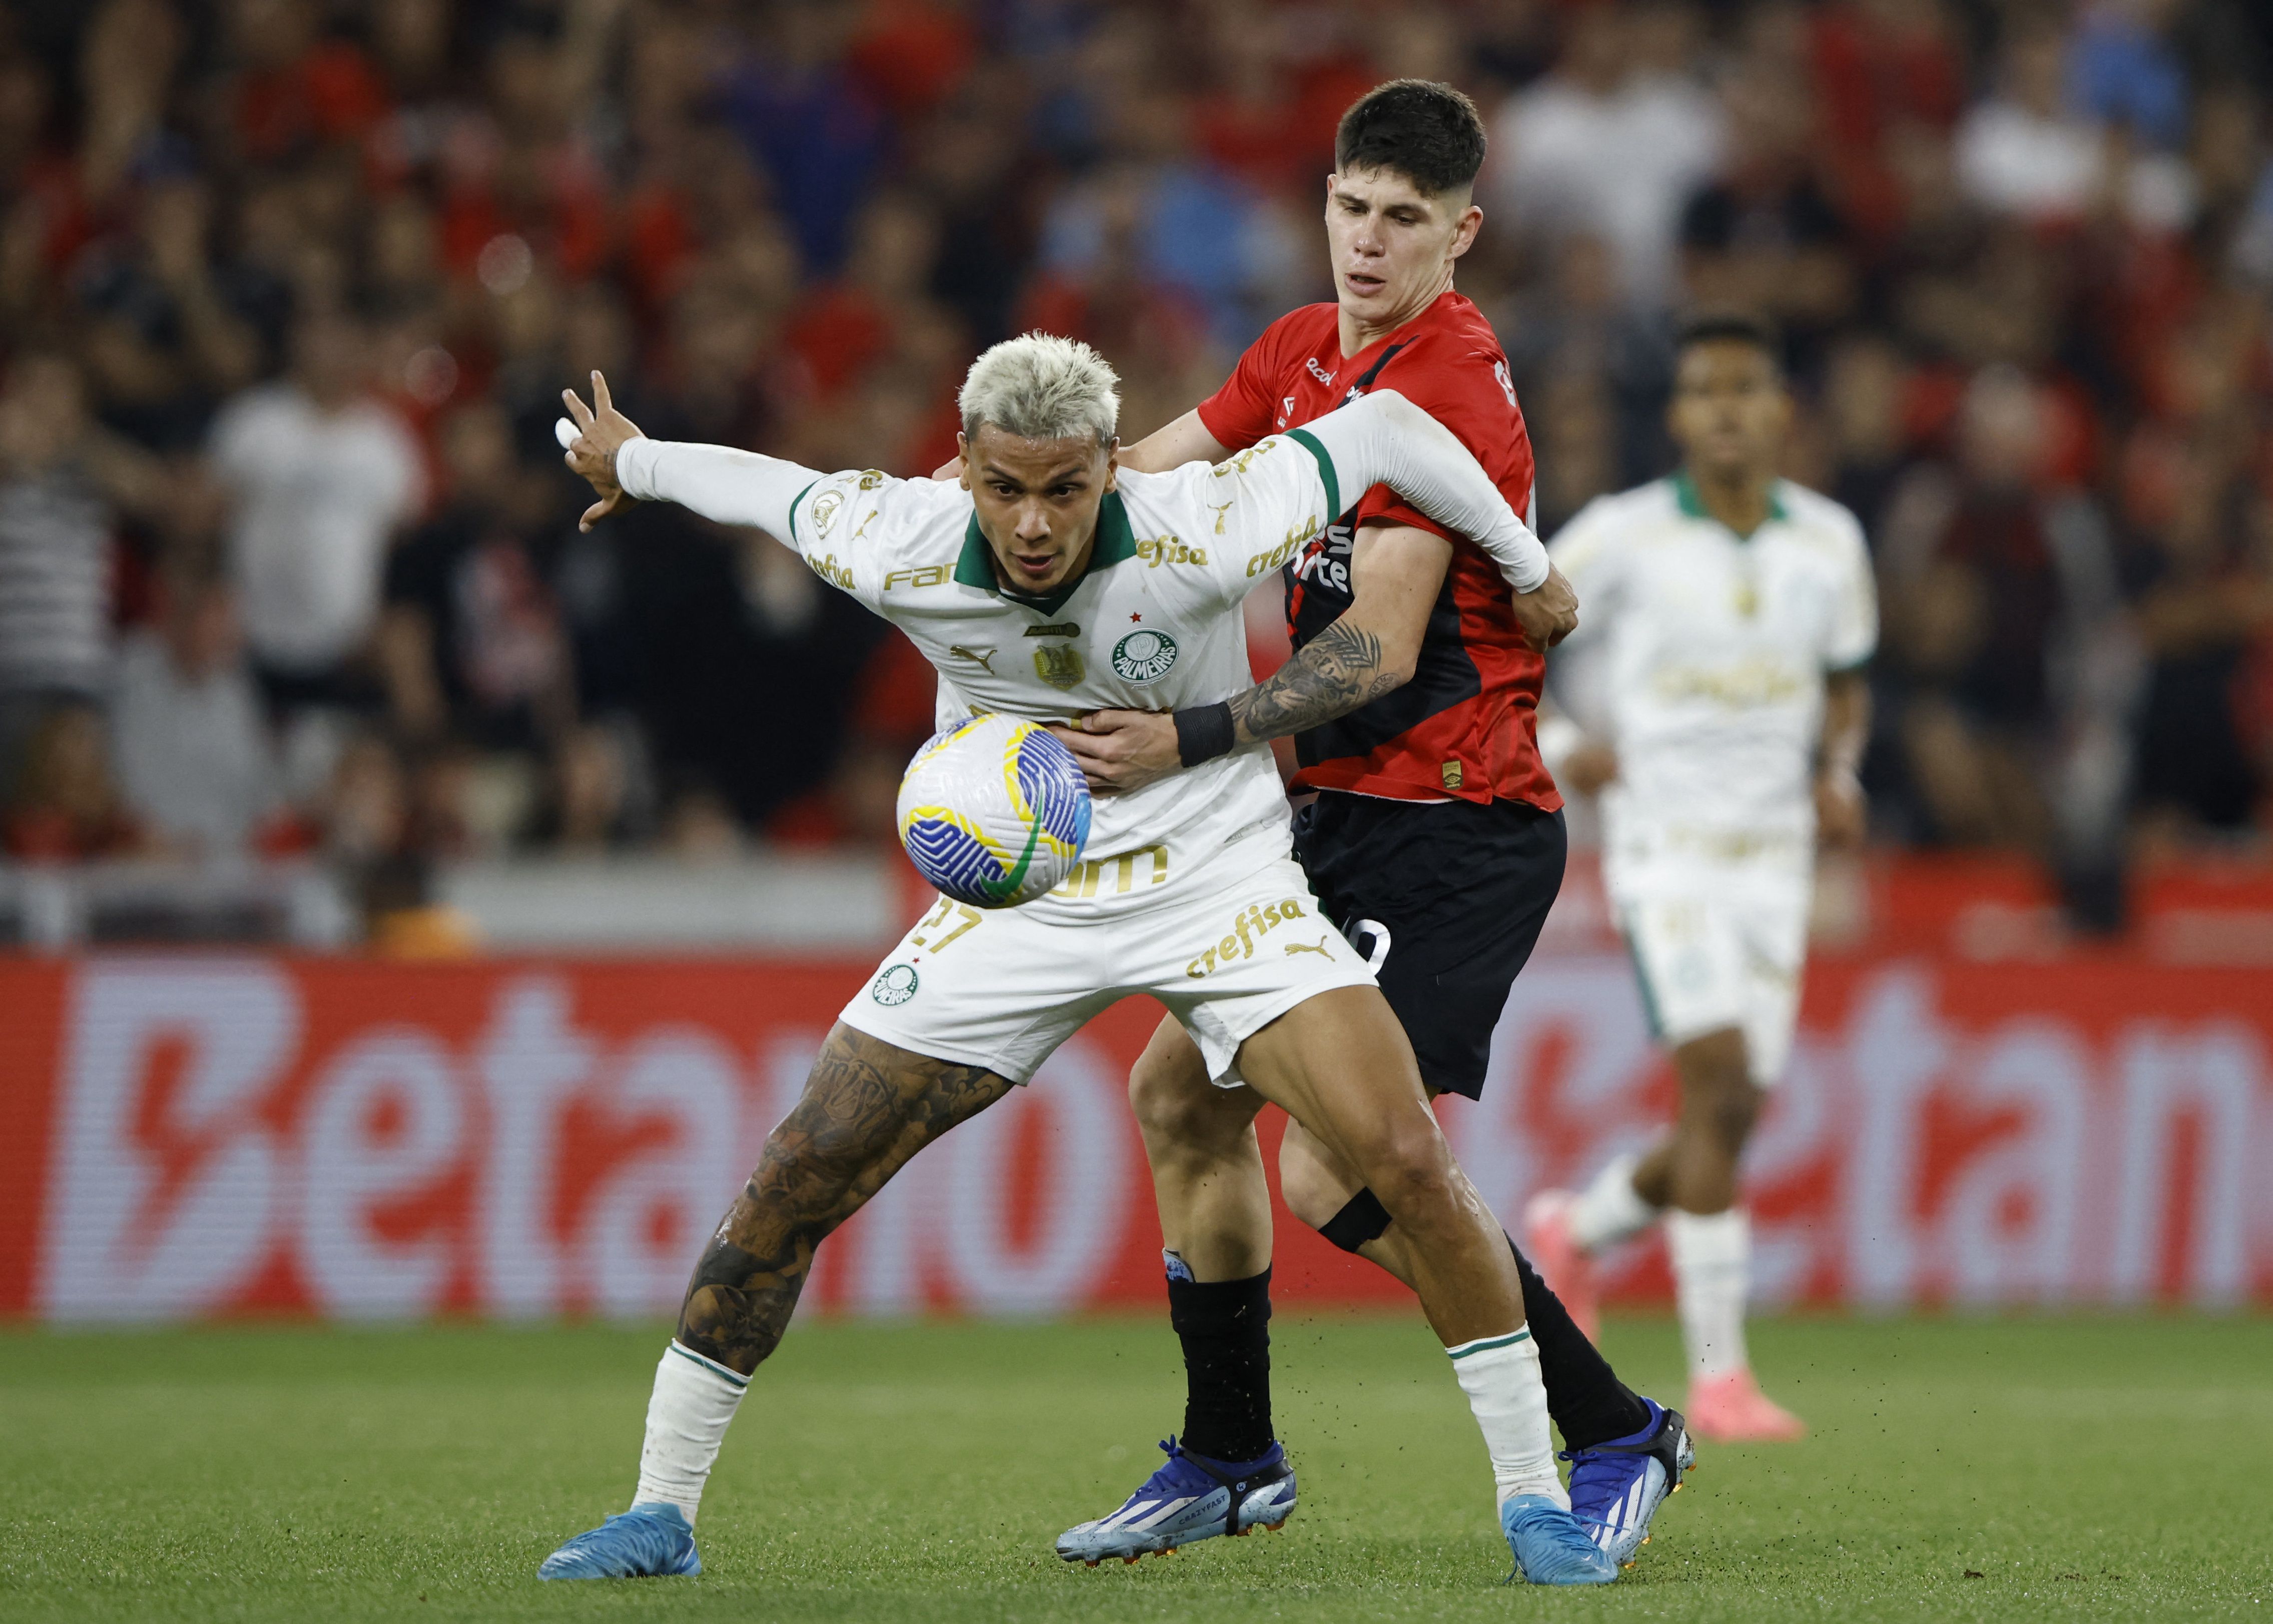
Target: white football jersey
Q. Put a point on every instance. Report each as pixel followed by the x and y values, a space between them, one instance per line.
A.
pixel 1149 625
pixel 1706 653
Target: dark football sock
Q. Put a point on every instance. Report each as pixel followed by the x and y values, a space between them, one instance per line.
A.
pixel 1225 1326
pixel 1587 1401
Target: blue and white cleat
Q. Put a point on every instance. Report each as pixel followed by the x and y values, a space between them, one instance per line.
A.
pixel 1550 1546
pixel 1189 1498
pixel 1617 1487
pixel 651 1540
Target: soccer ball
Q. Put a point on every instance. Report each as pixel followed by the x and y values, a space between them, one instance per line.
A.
pixel 994 811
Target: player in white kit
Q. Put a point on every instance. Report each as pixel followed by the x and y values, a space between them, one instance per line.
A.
pixel 1728 616
pixel 1049 584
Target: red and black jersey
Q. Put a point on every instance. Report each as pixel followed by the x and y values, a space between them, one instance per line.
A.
pixel 1466 726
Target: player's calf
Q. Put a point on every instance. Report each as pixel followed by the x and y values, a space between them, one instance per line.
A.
pixel 868 1108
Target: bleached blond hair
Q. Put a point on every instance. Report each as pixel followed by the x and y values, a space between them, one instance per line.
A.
pixel 1040 386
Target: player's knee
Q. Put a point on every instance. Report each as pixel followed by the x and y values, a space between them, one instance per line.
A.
pixel 1724 1112
pixel 1178 1119
pixel 1408 1167
pixel 1731 1113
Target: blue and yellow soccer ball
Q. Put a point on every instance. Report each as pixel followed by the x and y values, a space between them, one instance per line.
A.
pixel 994 811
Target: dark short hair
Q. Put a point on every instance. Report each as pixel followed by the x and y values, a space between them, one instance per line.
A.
pixel 1730 326
pixel 1428 133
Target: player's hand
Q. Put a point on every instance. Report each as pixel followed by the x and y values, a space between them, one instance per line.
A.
pixel 951 469
pixel 1587 769
pixel 1842 816
pixel 1121 750
pixel 601 431
pixel 1549 613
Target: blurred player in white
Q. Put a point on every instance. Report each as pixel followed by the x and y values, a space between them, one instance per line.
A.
pixel 1049 584
pixel 1728 616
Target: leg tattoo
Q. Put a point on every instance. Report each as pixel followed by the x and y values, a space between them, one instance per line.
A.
pixel 868 1108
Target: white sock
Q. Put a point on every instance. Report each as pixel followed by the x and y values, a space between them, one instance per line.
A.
pixel 693 1400
pixel 1609 1210
pixel 1500 1375
pixel 1711 1275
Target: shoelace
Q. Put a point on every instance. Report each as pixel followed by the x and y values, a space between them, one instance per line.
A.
pixel 1577 1456
pixel 1195 1479
pixel 1166 1480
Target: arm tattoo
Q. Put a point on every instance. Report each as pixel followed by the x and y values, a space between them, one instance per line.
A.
pixel 1331 675
pixel 868 1108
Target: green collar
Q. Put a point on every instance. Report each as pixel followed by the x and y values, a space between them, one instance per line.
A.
pixel 1684 492
pixel 1115 541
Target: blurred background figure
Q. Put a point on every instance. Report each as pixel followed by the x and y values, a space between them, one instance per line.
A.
pixel 66 806
pixel 319 475
pixel 189 745
pixel 64 482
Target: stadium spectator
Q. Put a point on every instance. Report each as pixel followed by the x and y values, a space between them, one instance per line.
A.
pixel 1191 226
pixel 1864 390
pixel 168 332
pixel 2122 70
pixel 319 475
pixel 67 807
pixel 2003 616
pixel 1604 147
pixel 2034 153
pixel 63 483
pixel 813 124
pixel 191 752
pixel 1761 235
pixel 469 643
pixel 1572 323
pixel 2202 581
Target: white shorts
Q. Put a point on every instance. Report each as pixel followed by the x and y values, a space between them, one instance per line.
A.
pixel 1228 948
pixel 1719 944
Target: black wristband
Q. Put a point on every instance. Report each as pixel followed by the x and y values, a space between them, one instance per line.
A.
pixel 1204 733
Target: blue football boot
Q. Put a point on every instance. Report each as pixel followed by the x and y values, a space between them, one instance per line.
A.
pixel 1617 1487
pixel 1189 1498
pixel 1550 1546
pixel 651 1540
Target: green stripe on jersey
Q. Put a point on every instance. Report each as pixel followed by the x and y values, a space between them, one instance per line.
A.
pixel 1309 443
pixel 800 497
pixel 1490 1343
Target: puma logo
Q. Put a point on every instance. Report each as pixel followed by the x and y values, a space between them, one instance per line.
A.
pixel 1253 921
pixel 981 658
pixel 1293 948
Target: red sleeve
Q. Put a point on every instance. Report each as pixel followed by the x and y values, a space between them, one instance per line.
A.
pixel 1466 389
pixel 1244 409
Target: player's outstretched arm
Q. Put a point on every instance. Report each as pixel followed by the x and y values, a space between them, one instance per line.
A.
pixel 1383 439
pixel 1396 571
pixel 718 482
pixel 1186 439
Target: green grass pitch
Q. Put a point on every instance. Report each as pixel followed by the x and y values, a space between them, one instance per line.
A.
pixel 1958 1470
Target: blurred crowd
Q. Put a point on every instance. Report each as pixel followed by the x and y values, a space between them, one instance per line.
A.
pixel 288 289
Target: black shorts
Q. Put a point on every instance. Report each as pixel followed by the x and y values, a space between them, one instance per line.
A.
pixel 1448 897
